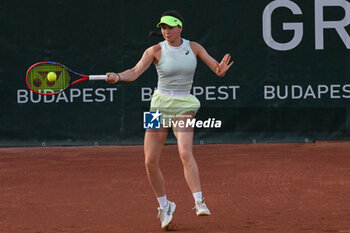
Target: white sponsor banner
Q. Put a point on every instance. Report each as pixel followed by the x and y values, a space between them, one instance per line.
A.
pixel 338 27
pixel 210 93
pixel 297 92
pixel 85 95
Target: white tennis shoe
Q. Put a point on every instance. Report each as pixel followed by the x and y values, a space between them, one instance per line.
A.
pixel 201 208
pixel 166 214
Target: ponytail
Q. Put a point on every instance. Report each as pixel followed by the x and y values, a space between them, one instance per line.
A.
pixel 154 33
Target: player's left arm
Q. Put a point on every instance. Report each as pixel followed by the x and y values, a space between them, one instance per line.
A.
pixel 219 69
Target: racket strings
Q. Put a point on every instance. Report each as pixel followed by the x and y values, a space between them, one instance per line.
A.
pixel 38 81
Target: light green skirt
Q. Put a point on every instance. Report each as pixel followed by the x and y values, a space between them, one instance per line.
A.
pixel 174 106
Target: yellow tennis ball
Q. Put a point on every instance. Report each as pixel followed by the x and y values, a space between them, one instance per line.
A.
pixel 51 76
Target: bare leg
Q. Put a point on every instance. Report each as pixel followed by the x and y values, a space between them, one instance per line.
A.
pixel 153 144
pixel 185 147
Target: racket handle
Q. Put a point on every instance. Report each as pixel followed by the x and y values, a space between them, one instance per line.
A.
pixel 97 77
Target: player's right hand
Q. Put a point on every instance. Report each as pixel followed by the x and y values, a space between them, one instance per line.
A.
pixel 112 77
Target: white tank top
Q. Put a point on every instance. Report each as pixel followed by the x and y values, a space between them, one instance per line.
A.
pixel 176 67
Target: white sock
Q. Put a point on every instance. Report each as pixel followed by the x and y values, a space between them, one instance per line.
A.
pixel 197 196
pixel 163 201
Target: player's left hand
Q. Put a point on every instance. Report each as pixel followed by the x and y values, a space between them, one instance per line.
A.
pixel 224 65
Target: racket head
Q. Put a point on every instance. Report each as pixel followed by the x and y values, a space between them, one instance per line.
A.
pixel 37 78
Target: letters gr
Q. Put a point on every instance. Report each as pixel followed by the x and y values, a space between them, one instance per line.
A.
pixel 297 27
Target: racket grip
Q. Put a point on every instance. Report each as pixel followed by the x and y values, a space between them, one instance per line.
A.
pixel 97 77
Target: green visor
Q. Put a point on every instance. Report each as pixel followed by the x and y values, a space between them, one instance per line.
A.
pixel 170 20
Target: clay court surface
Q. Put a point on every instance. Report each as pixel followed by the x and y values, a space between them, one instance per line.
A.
pixel 249 188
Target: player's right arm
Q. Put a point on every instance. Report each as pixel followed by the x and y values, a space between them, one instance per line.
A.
pixel 132 74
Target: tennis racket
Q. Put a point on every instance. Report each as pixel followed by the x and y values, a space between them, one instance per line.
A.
pixel 39 83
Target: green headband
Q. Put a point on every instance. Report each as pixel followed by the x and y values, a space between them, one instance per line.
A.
pixel 170 20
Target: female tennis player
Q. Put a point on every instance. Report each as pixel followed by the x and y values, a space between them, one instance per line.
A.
pixel 175 62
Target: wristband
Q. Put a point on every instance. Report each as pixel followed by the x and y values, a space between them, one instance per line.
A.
pixel 120 78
